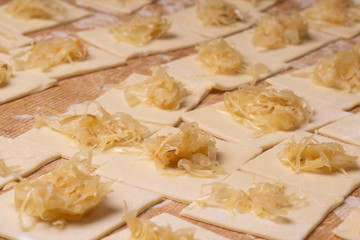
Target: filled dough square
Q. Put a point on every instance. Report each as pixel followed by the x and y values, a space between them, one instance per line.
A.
pixel 115 6
pixel 10 39
pixel 296 225
pixel 177 37
pixel 25 157
pixel 217 121
pixel 349 229
pixel 268 164
pixel 306 87
pixel 176 223
pixel 346 129
pixel 104 218
pixel 32 25
pixel 141 171
pixel 289 52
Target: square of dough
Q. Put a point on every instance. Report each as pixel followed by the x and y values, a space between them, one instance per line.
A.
pixel 296 225
pixel 22 84
pixel 190 69
pixel 10 39
pixel 103 219
pixel 95 61
pixel 346 129
pixel 114 101
pixel 26 156
pixel 350 228
pixel 289 52
pixel 175 223
pixel 177 37
pixel 217 121
pixel 142 172
pixel 32 25
pixel 190 21
pixel 306 87
pixel 115 6
pixel 268 164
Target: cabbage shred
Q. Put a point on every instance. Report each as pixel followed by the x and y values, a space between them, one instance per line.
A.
pixel 5 73
pixel 267 110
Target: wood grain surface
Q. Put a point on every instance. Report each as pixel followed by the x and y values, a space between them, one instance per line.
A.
pixel 17 116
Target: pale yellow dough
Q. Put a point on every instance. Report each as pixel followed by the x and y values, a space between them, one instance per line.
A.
pixel 289 52
pixel 104 218
pixel 140 171
pixel 346 129
pixel 326 95
pixel 115 6
pixel 269 165
pixel 247 4
pixel 215 120
pixel 26 156
pixel 10 39
pixel 166 219
pixel 176 38
pixel 296 225
pixel 350 228
pixel 33 25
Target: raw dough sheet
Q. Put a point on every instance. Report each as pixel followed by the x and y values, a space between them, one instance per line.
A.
pixel 217 121
pixel 178 37
pixel 350 228
pixel 346 129
pixel 26 156
pixel 33 25
pixel 104 218
pixel 268 164
pixel 326 95
pixel 10 39
pixel 176 223
pixel 141 172
pixel 287 53
pixel 115 6
pixel 296 225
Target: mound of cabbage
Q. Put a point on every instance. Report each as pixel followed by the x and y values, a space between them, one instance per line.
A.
pixel 142 229
pixel 190 150
pixel 160 90
pixel 47 53
pixel 67 193
pixel 262 199
pixel 99 130
pixel 339 71
pixel 217 13
pixel 279 29
pixel 341 12
pixel 140 30
pixel 308 154
pixel 30 9
pixel 267 110
pixel 5 73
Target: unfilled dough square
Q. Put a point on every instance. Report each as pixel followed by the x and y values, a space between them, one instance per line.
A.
pixel 346 129
pixel 114 101
pixel 326 95
pixel 296 225
pixel 166 219
pixel 33 25
pixel 25 156
pixel 141 172
pixel 268 164
pixel 190 69
pixel 190 21
pixel 178 37
pixel 349 229
pixel 104 218
pixel 115 6
pixel 289 52
pixel 215 120
pixel 10 39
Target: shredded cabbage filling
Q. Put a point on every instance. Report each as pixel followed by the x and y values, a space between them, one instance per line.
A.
pixel 47 53
pixel 67 193
pixel 140 30
pixel 5 73
pixel 267 110
pixel 100 130
pixel 279 29
pixel 309 154
pixel 262 199
pixel 190 150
